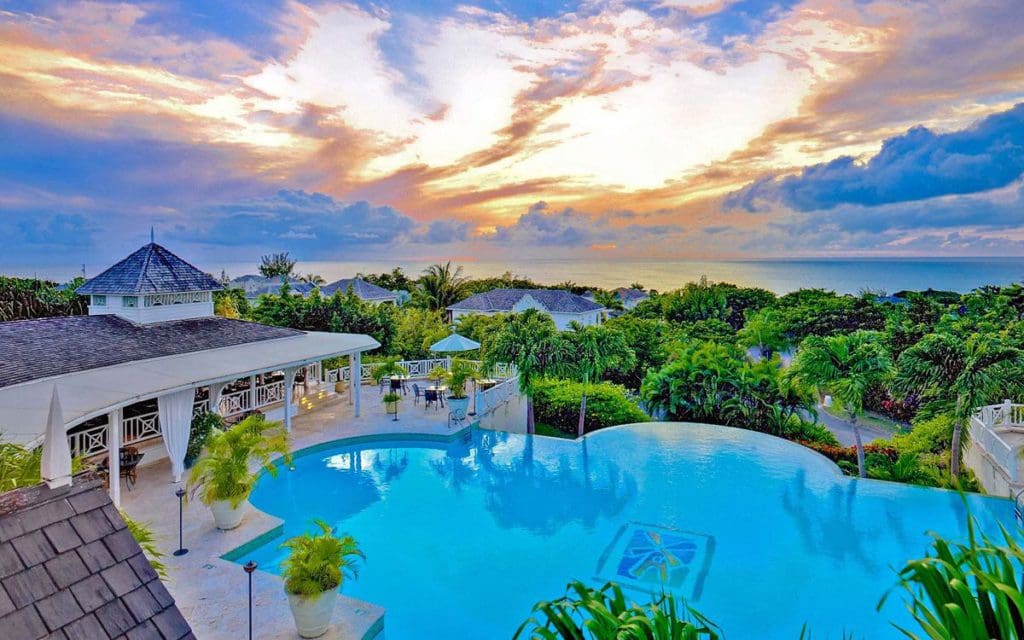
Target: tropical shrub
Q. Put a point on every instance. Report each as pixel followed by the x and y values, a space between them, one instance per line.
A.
pixel 933 435
pixel 319 562
pixel 25 298
pixel 387 368
pixel 840 454
pixel 202 426
pixel 606 614
pixel 415 330
pixel 19 467
pixel 967 591
pixel 224 471
pixel 557 403
pixel 144 535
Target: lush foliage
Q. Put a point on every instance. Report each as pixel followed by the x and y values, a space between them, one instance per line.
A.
pixel 557 403
pixel 440 286
pixel 319 562
pixel 26 298
pixel 276 265
pixel 460 373
pixel 226 469
pixel 143 534
pixel 718 384
pixel 415 330
pixel 202 426
pixel 967 591
pixel 606 614
pixel 340 313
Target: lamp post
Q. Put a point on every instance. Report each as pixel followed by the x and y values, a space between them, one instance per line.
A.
pixel 397 402
pixel 181 550
pixel 249 568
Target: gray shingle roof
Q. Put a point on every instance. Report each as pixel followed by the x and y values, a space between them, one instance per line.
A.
pixel 32 349
pixel 255 286
pixel 554 300
pixel 363 289
pixel 151 269
pixel 69 568
pixel 628 295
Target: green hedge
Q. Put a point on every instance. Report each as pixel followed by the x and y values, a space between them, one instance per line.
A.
pixel 557 403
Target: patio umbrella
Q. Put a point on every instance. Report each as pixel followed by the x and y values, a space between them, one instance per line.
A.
pixel 455 342
pixel 55 466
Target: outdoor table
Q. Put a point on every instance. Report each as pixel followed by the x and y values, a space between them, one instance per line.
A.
pixel 486 383
pixel 434 393
pixel 398 383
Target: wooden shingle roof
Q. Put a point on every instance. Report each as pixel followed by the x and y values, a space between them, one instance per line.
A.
pixel 70 569
pixel 151 269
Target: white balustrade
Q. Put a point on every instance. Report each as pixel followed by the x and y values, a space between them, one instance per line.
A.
pixel 986 427
pixel 491 399
pixel 88 442
pixel 139 428
pixel 416 369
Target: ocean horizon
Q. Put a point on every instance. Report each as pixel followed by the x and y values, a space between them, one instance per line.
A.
pixel 846 275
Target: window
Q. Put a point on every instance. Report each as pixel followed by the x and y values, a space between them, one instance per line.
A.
pixel 130 302
pixel 99 301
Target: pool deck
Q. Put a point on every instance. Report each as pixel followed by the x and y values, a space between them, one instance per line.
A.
pixel 211 592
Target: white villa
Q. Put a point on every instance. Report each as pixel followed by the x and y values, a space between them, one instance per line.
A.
pixel 563 307
pixel 254 286
pixel 995 448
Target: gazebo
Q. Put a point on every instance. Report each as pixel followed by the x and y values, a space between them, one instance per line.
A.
pixel 151 335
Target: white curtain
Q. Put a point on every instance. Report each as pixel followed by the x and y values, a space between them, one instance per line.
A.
pixel 175 425
pixel 216 393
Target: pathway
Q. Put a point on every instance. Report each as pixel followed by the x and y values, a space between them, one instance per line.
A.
pixel 843 430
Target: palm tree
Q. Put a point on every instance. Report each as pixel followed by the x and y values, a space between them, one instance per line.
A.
pixel 276 265
pixel 765 331
pixel 956 376
pixel 532 342
pixel 595 349
pixel 608 300
pixel 312 278
pixel 441 286
pixel 845 366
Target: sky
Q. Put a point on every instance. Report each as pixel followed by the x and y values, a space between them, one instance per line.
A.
pixel 511 129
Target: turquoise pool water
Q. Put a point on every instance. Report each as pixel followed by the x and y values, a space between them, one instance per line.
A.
pixel 763 536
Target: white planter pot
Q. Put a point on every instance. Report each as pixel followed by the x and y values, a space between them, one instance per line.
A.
pixel 458 406
pixel 227 517
pixel 313 613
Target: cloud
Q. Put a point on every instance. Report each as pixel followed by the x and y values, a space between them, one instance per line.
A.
pixel 444 231
pixel 917 165
pixel 312 224
pixel 540 227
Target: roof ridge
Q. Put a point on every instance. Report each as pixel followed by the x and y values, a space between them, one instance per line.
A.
pixel 145 266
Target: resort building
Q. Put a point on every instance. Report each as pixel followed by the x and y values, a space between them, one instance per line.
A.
pixel 255 286
pixel 563 307
pixel 151 354
pixel 631 297
pixel 365 291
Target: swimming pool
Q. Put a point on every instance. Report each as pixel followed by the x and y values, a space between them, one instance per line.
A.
pixel 463 537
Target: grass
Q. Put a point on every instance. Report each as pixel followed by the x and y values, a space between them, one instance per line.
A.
pixel 542 429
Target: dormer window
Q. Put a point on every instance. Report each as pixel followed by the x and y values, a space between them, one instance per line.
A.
pixel 99 301
pixel 130 302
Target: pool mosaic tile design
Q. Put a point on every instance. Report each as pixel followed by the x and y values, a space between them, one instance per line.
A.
pixel 654 558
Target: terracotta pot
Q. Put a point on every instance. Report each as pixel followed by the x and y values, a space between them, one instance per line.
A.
pixel 227 517
pixel 313 613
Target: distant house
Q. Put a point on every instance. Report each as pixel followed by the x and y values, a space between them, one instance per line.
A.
pixel 563 307
pixel 366 291
pixel 255 286
pixel 631 297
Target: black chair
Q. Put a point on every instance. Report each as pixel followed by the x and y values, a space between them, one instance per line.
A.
pixel 416 393
pixel 430 397
pixel 129 459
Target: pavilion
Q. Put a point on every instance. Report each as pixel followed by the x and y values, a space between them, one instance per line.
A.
pixel 151 338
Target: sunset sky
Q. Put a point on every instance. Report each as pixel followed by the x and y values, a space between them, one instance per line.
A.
pixel 669 128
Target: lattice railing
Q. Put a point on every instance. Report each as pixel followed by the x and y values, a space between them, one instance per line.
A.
pixel 416 369
pixel 985 428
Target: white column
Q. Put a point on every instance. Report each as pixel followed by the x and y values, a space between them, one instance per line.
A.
pixel 216 392
pixel 355 364
pixel 289 382
pixel 114 455
pixel 252 393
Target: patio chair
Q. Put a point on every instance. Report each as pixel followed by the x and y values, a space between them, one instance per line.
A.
pixel 416 393
pixel 430 397
pixel 129 458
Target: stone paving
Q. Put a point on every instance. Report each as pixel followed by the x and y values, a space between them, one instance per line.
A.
pixel 212 593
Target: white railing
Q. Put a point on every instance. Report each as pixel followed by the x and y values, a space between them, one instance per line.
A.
pixel 416 369
pixel 135 429
pixel 987 425
pixel 491 399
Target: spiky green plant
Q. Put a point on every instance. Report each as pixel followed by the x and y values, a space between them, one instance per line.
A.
pixel 967 591
pixel 144 535
pixel 319 562
pixel 230 465
pixel 585 613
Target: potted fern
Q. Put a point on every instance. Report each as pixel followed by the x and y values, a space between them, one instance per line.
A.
pixel 391 401
pixel 313 573
pixel 462 371
pixel 224 475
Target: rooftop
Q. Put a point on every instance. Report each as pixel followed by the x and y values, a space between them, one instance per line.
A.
pixel 34 349
pixel 363 289
pixel 151 269
pixel 71 569
pixel 628 294
pixel 554 300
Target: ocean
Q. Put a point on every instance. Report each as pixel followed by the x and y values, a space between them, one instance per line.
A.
pixel 781 276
